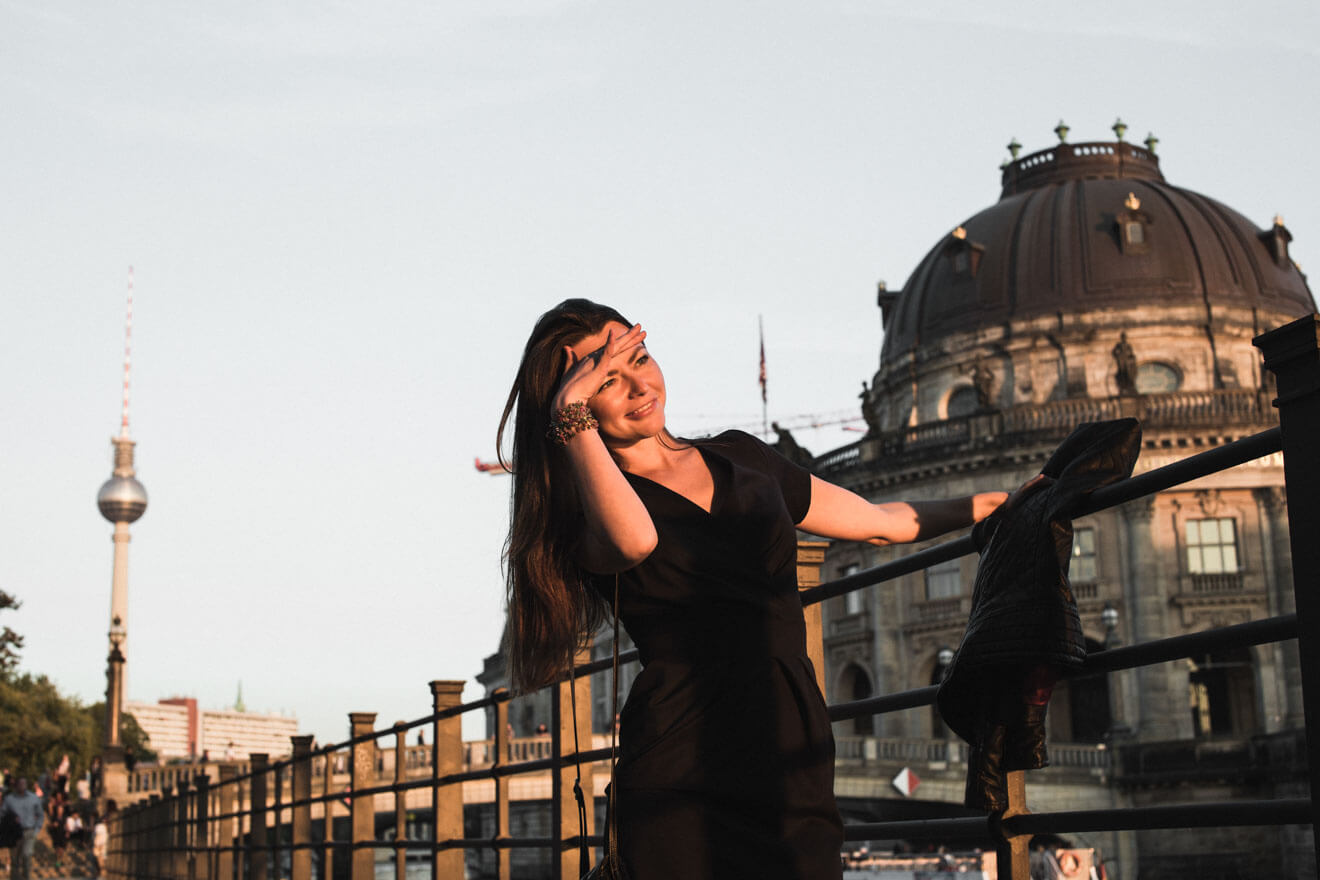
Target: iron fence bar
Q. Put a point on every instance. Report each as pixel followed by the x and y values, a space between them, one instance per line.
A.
pixel 1182 471
pixel 1292 354
pixel 1255 632
pixel 921 829
pixel 1221 814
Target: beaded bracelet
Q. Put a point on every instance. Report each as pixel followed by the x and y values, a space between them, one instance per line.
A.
pixel 569 421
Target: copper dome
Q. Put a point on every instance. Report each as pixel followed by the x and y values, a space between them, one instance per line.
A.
pixel 1081 227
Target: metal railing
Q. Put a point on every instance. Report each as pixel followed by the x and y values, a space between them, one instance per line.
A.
pixel 265 820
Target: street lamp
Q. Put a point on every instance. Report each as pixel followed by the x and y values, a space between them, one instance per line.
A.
pixel 944 658
pixel 1109 617
pixel 117 633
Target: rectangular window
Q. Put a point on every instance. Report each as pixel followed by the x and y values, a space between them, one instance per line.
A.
pixel 944 581
pixel 1082 568
pixel 852 602
pixel 1212 546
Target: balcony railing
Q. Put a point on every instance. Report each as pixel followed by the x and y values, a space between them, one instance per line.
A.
pixel 255 821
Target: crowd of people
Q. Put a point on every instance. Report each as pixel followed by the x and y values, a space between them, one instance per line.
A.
pixel 66 814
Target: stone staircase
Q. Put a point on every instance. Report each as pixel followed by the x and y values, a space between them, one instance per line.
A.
pixel 76 862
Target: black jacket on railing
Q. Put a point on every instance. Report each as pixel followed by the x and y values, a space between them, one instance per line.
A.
pixel 1024 631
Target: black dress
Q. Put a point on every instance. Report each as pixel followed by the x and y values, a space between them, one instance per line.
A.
pixel 726 765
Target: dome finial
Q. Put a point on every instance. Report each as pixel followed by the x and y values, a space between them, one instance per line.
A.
pixel 1062 131
pixel 1151 141
pixel 1278 219
pixel 1119 127
pixel 960 233
pixel 1014 148
pixel 1132 203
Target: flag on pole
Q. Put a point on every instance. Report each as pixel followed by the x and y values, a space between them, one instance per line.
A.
pixel 761 329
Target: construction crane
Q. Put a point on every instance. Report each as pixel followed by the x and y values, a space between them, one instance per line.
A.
pixel 843 418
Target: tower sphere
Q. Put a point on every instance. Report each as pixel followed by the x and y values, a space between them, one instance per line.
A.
pixel 122 499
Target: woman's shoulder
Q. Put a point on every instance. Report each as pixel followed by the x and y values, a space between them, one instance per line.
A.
pixel 734 443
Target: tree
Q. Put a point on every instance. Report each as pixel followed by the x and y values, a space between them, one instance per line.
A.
pixel 10 641
pixel 39 725
pixel 134 739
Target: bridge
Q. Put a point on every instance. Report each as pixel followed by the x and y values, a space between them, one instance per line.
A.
pixel 457 808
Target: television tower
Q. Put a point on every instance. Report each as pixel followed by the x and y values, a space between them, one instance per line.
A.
pixel 122 500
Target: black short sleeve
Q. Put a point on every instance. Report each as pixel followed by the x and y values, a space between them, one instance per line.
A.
pixel 793 479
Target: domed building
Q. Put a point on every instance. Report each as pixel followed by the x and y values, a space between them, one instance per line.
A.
pixel 1093 289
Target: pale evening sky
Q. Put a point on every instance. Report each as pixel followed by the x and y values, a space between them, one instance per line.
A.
pixel 344 219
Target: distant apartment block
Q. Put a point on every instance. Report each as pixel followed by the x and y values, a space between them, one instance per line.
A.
pixel 179 729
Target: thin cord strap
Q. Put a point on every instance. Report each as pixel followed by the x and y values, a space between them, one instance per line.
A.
pixel 584 852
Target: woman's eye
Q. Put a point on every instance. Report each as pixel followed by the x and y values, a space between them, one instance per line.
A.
pixel 608 383
pixel 642 359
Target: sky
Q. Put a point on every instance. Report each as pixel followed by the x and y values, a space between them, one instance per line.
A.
pixel 344 218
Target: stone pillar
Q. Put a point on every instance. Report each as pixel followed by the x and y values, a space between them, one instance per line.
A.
pixel 810 555
pixel 256 848
pixel 201 851
pixel 501 756
pixel 300 861
pixel 158 829
pixel 363 809
pixel 224 856
pixel 328 815
pixel 1161 690
pixel 180 845
pixel 446 760
pixel 563 803
pixel 400 801
pixel 1271 502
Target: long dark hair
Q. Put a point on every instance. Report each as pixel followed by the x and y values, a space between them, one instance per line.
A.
pixel 551 605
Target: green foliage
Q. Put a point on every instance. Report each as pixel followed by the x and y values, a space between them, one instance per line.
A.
pixel 39 725
pixel 10 641
pixel 134 738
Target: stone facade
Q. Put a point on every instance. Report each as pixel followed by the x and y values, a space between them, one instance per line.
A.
pixel 1041 312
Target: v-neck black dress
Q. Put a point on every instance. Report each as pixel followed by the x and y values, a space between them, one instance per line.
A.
pixel 726 765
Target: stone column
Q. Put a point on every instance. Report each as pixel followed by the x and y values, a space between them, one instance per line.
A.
pixel 810 555
pixel 301 858
pixel 202 837
pixel 1277 561
pixel 256 848
pixel 501 756
pixel 363 810
pixel 564 811
pixel 1161 690
pixel 447 760
pixel 224 857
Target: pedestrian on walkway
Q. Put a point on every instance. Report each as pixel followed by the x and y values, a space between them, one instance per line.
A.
pixel 26 808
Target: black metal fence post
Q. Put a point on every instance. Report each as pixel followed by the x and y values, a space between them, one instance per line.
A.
pixel 1292 354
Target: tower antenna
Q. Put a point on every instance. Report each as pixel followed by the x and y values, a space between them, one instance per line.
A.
pixel 128 350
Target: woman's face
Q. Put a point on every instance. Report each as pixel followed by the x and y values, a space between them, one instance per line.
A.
pixel 630 403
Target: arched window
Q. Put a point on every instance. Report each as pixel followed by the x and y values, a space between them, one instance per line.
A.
pixel 1222 694
pixel 857 684
pixel 963 402
pixel 1085 699
pixel 938 729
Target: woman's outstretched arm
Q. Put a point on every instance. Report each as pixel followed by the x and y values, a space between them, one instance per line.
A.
pixel 838 513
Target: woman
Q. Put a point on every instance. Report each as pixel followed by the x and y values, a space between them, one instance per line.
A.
pixel 726 759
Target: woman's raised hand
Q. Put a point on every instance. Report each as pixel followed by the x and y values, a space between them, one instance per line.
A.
pixel 583 377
